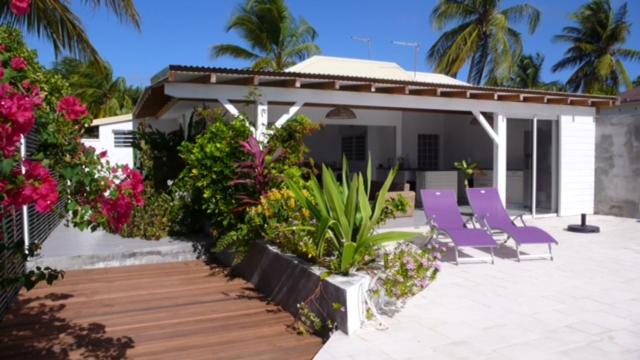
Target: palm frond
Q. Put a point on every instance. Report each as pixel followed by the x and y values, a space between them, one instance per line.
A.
pixel 521 12
pixel 232 50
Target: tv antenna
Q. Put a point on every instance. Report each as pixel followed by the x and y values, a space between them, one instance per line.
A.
pixel 416 50
pixel 366 40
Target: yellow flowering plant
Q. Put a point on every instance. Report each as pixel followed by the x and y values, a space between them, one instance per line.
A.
pixel 281 219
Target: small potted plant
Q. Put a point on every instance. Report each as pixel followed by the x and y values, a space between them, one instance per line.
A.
pixel 468 170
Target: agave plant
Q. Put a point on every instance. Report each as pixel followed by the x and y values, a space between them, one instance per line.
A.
pixel 346 221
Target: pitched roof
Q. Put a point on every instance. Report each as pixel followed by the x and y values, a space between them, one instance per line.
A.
pixel 373 69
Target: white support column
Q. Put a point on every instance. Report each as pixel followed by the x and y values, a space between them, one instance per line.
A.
pixel 534 167
pixel 399 140
pixel 229 107
pixel 500 155
pixel 262 119
pixel 289 114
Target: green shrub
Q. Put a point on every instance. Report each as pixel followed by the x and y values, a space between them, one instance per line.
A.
pixel 155 219
pixel 210 167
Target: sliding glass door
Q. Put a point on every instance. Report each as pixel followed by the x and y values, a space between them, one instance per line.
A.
pixel 532 165
pixel 545 166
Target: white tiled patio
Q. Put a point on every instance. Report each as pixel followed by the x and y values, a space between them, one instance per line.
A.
pixel 584 305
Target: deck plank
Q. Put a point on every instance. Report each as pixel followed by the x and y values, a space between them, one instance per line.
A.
pixel 175 310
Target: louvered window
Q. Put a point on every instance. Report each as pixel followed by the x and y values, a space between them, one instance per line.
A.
pixel 122 138
pixel 354 147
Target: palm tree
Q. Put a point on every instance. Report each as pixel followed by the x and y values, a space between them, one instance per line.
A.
pixel 596 52
pixel 54 21
pixel 95 86
pixel 636 83
pixel 527 74
pixel 481 36
pixel 275 39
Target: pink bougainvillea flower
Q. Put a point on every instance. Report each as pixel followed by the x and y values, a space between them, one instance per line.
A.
pixel 72 108
pixel 124 196
pixel 20 7
pixel 1 73
pixel 103 154
pixel 18 63
pixel 39 188
pixel 3 48
pixel 17 116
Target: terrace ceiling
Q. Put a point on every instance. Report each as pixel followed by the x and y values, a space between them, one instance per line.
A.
pixel 154 102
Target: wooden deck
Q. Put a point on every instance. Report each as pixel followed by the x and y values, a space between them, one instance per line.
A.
pixel 184 310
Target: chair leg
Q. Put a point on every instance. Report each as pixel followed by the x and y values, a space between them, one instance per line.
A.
pixel 518 251
pixel 457 260
pixel 550 252
pixel 492 258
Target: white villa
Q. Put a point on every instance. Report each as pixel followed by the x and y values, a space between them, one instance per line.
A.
pixel 536 147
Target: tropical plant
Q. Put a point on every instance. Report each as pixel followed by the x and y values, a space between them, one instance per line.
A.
pixel 636 83
pixel 94 84
pixel 527 74
pixel 275 39
pixel 481 36
pixel 158 155
pixel 210 167
pixel 597 49
pixel 346 221
pixel 254 176
pixel 54 21
pixel 468 170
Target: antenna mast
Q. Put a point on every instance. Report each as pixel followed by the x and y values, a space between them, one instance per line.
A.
pixel 366 40
pixel 416 50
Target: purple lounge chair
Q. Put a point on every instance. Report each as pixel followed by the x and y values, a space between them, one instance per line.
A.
pixel 441 211
pixel 491 215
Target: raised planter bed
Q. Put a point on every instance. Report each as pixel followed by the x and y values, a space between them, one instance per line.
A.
pixel 289 281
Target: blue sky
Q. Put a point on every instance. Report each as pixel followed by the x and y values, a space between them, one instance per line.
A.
pixel 181 32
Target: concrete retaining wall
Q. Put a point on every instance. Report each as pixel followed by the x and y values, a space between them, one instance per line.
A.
pixel 617 190
pixel 289 281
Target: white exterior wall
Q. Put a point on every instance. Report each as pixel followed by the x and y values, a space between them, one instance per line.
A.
pixel 115 155
pixel 577 164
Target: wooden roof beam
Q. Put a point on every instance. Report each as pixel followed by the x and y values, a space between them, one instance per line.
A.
pixel 463 94
pixel 358 87
pixel 290 83
pixel 323 85
pixel 579 102
pixel 510 97
pixel 558 100
pixel 602 103
pixel 425 92
pixel 403 90
pixel 483 96
pixel 245 80
pixel 205 79
pixel 538 99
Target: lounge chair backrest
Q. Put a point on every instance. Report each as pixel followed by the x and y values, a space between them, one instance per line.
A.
pixel 487 205
pixel 441 207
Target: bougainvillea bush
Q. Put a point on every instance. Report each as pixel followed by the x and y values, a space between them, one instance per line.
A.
pixel 94 194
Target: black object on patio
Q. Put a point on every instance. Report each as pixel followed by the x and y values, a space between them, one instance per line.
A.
pixel 583 227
